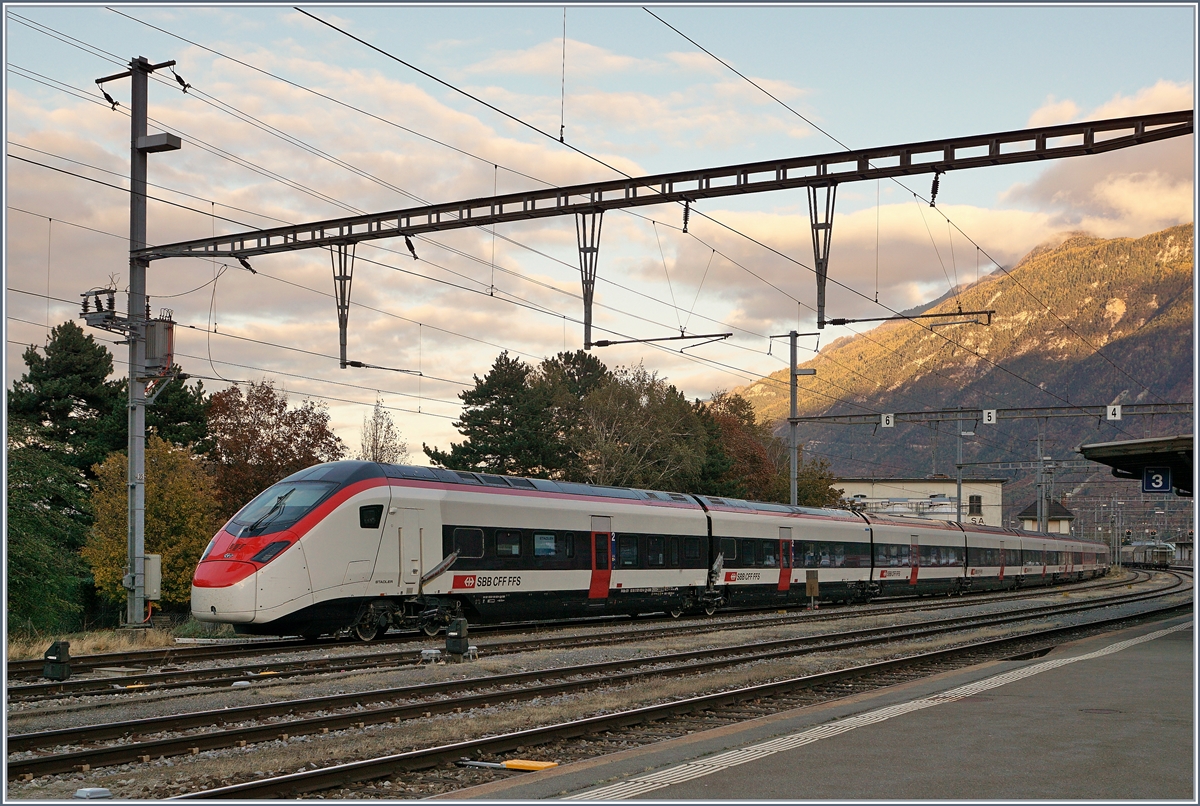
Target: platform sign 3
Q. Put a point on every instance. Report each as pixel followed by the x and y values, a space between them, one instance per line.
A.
pixel 1156 480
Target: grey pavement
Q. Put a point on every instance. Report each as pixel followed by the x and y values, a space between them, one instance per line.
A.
pixel 1118 726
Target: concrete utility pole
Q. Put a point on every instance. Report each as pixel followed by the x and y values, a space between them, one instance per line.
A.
pixel 961 434
pixel 140 145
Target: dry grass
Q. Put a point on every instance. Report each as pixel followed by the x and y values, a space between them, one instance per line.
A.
pixel 88 643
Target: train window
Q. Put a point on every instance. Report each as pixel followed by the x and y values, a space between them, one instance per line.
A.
pixel 673 553
pixel 786 556
pixel 891 554
pixel 508 543
pixel 729 548
pixel 602 552
pixel 544 545
pixel 568 540
pixel 858 555
pixel 654 550
pixel 749 553
pixel 975 505
pixel 691 548
pixel 369 517
pixel 627 551
pixel 768 554
pixel 493 481
pixel 468 542
pixel 523 483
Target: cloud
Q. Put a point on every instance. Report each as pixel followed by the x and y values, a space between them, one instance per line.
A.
pixel 1053 112
pixel 546 58
pixel 437 314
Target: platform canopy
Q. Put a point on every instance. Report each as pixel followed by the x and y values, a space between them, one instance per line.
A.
pixel 1131 457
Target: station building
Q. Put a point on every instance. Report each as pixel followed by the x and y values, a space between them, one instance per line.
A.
pixel 930 497
pixel 1058 518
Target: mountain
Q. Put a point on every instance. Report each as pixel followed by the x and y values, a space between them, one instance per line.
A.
pixel 1084 321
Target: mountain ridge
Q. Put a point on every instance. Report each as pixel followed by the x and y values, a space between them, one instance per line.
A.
pixel 1080 320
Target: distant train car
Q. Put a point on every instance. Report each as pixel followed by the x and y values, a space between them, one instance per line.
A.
pixel 362 547
pixel 1148 555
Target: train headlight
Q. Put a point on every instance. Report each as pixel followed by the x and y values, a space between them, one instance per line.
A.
pixel 268 553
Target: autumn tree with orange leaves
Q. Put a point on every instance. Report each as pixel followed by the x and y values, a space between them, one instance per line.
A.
pixel 257 440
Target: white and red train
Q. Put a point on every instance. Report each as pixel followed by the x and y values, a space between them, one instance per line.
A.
pixel 366 546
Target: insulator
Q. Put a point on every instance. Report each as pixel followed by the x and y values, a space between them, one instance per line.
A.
pixel 85 305
pixel 934 190
pixel 687 211
pixel 408 242
pixel 112 301
pixel 147 307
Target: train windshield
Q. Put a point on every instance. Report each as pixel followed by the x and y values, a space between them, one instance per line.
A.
pixel 280 506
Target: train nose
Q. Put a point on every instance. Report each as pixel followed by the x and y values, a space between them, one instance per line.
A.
pixel 224 591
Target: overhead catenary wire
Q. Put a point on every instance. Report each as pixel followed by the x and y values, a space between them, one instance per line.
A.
pixel 1097 350
pixel 610 166
pixel 533 307
pixel 440 142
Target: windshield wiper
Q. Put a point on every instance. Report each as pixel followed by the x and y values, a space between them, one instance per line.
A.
pixel 275 508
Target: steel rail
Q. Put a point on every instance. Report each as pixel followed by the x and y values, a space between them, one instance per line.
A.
pixel 184 678
pixel 611 672
pixel 287 786
pixel 81 735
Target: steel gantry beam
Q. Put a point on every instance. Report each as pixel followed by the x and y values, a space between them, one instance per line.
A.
pixel 1100 412
pixel 821 171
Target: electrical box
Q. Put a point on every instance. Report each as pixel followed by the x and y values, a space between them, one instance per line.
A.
pixel 456 638
pixel 160 345
pixel 57 659
pixel 153 577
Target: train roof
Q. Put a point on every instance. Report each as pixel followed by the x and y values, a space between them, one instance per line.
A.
pixel 350 471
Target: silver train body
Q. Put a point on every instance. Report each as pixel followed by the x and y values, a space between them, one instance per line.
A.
pixel 365 546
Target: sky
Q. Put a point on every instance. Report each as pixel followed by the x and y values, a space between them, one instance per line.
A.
pixel 289 120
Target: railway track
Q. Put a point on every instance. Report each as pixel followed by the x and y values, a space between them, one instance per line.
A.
pixel 31 669
pixel 168 679
pixel 143 739
pixel 669 719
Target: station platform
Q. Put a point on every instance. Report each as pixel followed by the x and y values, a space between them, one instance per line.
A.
pixel 1109 717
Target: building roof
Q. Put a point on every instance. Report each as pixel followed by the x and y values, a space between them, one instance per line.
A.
pixel 1130 457
pixel 1055 512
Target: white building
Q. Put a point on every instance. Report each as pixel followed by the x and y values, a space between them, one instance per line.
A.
pixel 983 499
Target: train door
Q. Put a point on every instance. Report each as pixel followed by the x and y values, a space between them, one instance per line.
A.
pixel 1044 557
pixel 360 530
pixel 785 558
pixel 406 526
pixel 1001 560
pixel 601 561
pixel 385 579
pixel 914 558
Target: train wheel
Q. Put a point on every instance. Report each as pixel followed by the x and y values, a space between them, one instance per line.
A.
pixel 675 612
pixel 366 631
pixel 431 629
pixel 709 609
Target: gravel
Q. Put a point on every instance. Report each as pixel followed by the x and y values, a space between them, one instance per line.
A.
pixel 165 777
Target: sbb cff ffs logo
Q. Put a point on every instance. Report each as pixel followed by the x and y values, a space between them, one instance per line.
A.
pixel 464 581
